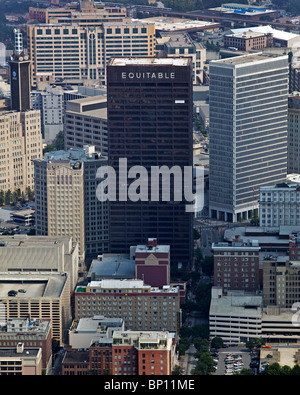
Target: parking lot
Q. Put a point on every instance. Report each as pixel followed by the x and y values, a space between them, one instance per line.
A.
pixel 231 360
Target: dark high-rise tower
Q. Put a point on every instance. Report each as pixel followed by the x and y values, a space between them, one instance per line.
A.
pixel 19 76
pixel 150 124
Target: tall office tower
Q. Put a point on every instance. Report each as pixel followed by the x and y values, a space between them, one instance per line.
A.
pixel 80 52
pixel 248 131
pixel 20 129
pixel 149 104
pixel 66 201
pixel 19 76
pixel 294 133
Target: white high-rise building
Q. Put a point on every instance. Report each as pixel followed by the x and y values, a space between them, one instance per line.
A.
pixel 248 131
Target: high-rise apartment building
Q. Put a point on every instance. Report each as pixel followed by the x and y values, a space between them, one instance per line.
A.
pixel 77 52
pixel 66 200
pixel 248 131
pixel 150 125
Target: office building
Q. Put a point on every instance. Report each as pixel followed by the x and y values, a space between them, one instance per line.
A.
pixel 39 295
pixel 248 131
pixel 86 123
pixel 180 44
pixel 248 40
pixel 85 11
pixel 50 103
pixel 236 265
pixel 21 361
pixel 20 129
pixel 294 133
pixel 22 253
pixel 281 282
pixel 279 205
pixel 32 334
pixel 150 101
pixel 74 52
pixel 19 64
pixel 66 199
pixel 141 306
pixel 21 140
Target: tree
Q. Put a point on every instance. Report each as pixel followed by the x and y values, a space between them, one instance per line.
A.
pixel 8 196
pixel 2 197
pixel 217 342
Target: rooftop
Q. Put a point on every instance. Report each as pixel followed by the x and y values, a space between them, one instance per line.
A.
pixel 277 34
pixel 33 284
pixel 149 61
pixel 112 265
pixel 249 58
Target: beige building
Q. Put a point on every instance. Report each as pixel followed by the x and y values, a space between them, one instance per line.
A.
pixel 40 295
pixel 20 143
pixel 21 361
pixel 80 52
pixel 22 253
pixel 180 44
pixel 281 282
pixel 59 186
pixel 86 123
pixel 86 12
pixel 141 306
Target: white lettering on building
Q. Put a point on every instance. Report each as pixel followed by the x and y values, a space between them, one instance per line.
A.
pixel 148 75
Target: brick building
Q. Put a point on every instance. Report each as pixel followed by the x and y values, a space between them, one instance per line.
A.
pixel 236 265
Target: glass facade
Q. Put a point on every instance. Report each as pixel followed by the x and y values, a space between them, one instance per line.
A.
pixel 150 124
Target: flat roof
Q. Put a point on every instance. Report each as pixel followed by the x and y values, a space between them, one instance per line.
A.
pixel 36 285
pixel 248 58
pixel 149 61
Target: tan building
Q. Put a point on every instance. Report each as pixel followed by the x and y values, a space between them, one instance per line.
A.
pixel 21 361
pixel 85 12
pixel 59 186
pixel 248 40
pixel 40 295
pixel 20 143
pixel 22 253
pixel 281 282
pixel 80 52
pixel 141 306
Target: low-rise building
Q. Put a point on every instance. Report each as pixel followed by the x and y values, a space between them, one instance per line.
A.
pixel 84 332
pixel 21 361
pixel 32 334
